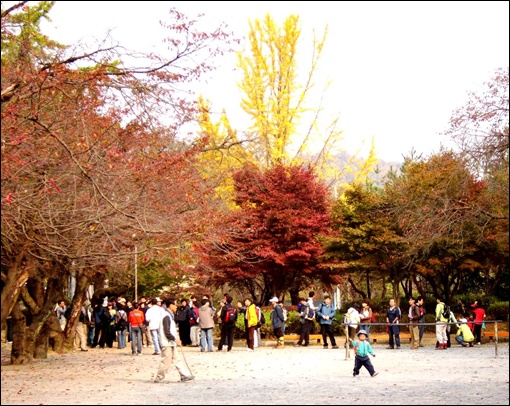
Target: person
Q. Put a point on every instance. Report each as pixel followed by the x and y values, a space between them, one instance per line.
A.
pixel 352 320
pixel 136 320
pixel 421 320
pixel 393 316
pixel 277 322
pixel 146 334
pixel 227 326
pixel 326 313
pixel 110 326
pixel 170 353
pixel 310 303
pixel 285 316
pixel 479 317
pixel 194 331
pixel 80 336
pixel 182 317
pixel 257 335
pixel 153 316
pixel 361 350
pixel 306 318
pixel 441 325
pixel 464 335
pixel 121 323
pixel 206 323
pixel 365 316
pixel 414 316
pixel 60 311
pixel 101 321
pixel 252 320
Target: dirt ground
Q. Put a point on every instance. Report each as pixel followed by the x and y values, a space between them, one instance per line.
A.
pixel 293 375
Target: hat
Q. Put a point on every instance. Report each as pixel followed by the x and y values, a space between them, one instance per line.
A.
pixel 158 299
pixel 274 299
pixel 122 300
pixel 362 332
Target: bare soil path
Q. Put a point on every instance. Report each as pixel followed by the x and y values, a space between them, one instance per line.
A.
pixel 266 376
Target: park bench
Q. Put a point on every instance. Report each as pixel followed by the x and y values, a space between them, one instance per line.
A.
pixel 295 337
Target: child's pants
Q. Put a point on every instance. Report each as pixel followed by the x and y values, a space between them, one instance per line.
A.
pixel 365 362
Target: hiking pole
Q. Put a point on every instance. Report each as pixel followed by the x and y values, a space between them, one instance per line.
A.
pixel 184 358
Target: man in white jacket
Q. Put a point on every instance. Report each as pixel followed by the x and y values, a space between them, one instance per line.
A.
pixel 169 342
pixel 154 316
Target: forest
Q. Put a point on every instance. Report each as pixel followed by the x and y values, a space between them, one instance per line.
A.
pixel 119 177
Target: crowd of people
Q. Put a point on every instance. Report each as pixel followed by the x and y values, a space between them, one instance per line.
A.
pixel 140 323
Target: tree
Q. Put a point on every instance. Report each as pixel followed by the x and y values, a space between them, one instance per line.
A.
pixel 441 208
pixel 87 163
pixel 366 243
pixel 271 245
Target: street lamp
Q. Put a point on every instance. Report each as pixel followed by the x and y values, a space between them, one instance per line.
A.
pixel 136 269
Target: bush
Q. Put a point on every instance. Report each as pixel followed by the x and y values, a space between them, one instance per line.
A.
pixel 497 311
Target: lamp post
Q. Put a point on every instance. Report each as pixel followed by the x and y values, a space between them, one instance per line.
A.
pixel 136 268
pixel 136 273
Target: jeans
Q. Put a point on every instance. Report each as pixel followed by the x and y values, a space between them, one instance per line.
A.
pixel 155 341
pixel 136 340
pixel 206 339
pixel 121 338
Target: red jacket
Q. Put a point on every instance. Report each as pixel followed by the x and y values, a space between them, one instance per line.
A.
pixel 136 318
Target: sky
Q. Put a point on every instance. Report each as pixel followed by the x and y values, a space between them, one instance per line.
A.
pixel 397 70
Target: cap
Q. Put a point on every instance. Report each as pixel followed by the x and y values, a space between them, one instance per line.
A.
pixel 274 299
pixel 362 332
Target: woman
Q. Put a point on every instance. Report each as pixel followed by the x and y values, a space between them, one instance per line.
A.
pixel 479 317
pixel 251 323
pixel 365 316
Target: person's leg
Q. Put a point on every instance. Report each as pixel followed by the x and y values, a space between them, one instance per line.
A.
pixel 368 365
pixel 203 339
pixel 331 334
pixel 180 364
pixel 209 339
pixel 324 332
pixel 357 365
pixel 155 340
pixel 230 336
pixel 396 331
pixel 223 336
pixel 422 331
pixel 164 364
pixel 133 339
pixel 80 332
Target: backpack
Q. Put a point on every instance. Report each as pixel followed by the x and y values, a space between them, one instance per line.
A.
pixel 285 314
pixel 193 320
pixel 446 312
pixel 230 314
pixel 373 319
pixel 317 317
pixel 181 314
pixel 309 313
pixel 67 313
pixel 122 323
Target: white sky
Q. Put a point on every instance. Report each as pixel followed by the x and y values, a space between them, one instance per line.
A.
pixel 398 69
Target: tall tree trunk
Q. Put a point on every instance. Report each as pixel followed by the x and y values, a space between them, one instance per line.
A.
pixel 14 279
pixel 19 354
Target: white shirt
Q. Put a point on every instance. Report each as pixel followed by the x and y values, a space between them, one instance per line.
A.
pixel 154 316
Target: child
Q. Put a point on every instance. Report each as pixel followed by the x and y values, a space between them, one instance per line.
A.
pixel 362 348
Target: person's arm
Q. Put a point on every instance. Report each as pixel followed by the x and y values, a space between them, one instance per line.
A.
pixel 166 328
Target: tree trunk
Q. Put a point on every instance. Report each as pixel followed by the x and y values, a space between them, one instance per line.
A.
pixel 14 280
pixel 19 354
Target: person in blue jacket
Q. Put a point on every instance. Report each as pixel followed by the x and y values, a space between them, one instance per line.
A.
pixel 326 313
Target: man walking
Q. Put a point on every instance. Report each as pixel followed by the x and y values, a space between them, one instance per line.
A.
pixel 169 342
